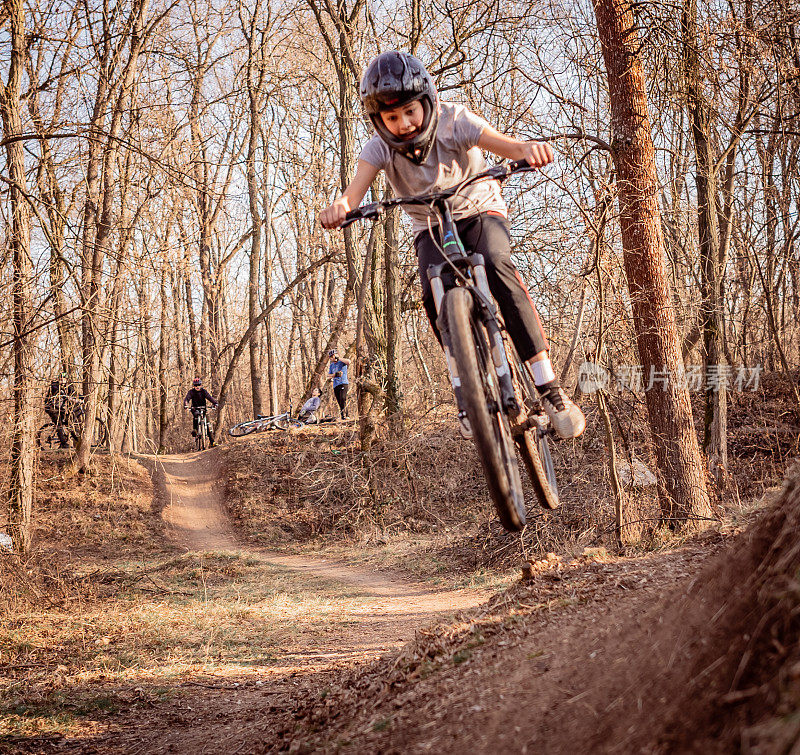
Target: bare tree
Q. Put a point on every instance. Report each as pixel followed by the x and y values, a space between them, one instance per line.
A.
pixel 21 482
pixel 685 498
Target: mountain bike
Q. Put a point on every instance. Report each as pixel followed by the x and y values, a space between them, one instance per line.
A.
pixel 72 426
pixel 493 388
pixel 202 435
pixel 264 423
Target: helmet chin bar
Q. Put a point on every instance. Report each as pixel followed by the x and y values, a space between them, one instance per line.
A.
pixel 393 79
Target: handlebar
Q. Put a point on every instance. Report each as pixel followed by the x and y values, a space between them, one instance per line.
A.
pixel 376 209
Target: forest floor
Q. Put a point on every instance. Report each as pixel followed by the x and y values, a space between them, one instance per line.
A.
pixel 205 643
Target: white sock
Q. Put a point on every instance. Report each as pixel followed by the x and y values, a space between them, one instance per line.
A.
pixel 542 371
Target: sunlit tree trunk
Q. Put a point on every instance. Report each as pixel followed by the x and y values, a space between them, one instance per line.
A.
pixel 685 501
pixel 715 442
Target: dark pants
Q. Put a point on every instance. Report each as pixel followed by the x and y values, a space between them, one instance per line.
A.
pixel 59 419
pixel 489 235
pixel 340 391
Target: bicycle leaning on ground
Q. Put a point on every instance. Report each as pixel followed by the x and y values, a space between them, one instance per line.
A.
pixel 264 423
pixel 492 384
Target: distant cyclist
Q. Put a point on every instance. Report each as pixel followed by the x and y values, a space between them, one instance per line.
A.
pixel 60 401
pixel 198 398
pixel 308 413
pixel 338 370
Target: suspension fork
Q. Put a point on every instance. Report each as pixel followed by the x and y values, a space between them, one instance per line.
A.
pixel 471 264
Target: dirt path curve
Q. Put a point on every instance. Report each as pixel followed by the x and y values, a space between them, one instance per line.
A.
pixel 190 488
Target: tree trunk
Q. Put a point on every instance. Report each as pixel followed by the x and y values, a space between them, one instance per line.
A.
pixel 391 264
pixel 21 480
pixel 163 367
pixel 684 496
pixel 715 440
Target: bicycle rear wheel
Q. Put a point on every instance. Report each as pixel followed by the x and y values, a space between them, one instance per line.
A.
pixel 480 393
pixel 532 445
pixel 244 428
pixel 535 452
pixel 47 437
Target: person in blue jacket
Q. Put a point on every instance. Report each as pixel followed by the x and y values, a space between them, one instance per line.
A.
pixel 338 369
pixel 308 412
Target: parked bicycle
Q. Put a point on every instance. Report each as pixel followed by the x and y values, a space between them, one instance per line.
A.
pixel 265 423
pixel 492 385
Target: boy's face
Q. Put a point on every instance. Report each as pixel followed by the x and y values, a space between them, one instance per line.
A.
pixel 404 121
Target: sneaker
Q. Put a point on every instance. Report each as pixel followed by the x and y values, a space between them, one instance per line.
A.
pixel 567 418
pixel 464 427
pixel 194 433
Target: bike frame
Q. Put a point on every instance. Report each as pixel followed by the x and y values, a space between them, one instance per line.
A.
pixel 202 420
pixel 469 269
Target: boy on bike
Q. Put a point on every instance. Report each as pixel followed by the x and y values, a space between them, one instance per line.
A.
pixel 197 398
pixel 425 145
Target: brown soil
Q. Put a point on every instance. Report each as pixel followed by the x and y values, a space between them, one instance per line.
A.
pixel 239 713
pixel 596 654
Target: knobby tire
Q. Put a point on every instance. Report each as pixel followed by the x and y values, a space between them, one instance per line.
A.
pixel 532 445
pixel 47 437
pixel 244 428
pixel 481 396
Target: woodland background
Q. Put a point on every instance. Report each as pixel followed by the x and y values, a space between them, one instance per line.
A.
pixel 166 164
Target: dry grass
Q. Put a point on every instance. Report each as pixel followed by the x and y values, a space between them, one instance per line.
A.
pixel 154 622
pixel 108 512
pixel 419 502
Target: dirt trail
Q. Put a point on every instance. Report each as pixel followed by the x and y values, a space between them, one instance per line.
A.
pixel 238 708
pixel 190 488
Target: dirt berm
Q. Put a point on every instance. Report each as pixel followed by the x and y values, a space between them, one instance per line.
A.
pixel 710 664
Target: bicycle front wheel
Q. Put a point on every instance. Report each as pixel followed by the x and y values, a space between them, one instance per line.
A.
pixel 481 396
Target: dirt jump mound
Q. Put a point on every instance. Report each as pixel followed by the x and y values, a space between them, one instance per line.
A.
pixel 717 667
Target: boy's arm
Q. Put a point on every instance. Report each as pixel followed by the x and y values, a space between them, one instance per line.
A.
pixel 344 361
pixel 333 216
pixel 538 154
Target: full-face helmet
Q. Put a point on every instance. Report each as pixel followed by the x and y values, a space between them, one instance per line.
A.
pixel 393 79
pixel 197 382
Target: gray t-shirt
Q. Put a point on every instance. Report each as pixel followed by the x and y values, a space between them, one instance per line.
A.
pixel 454 156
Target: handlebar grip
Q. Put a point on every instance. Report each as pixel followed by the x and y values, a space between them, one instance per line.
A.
pixel 518 165
pixel 364 212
